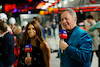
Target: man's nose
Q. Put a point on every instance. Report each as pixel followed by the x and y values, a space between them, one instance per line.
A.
pixel 64 20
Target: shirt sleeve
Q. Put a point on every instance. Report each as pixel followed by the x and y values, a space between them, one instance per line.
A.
pixel 96 26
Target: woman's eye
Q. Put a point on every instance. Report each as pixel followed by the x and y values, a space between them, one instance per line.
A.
pixel 28 28
pixel 33 28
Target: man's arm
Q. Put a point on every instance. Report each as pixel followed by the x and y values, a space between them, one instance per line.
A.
pixel 96 26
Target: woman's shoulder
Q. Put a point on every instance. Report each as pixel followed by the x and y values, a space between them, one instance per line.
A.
pixel 44 45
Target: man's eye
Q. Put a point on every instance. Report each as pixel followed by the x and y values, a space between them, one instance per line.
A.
pixel 66 19
pixel 61 19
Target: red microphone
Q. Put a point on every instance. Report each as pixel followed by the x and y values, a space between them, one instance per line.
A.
pixel 63 35
pixel 28 49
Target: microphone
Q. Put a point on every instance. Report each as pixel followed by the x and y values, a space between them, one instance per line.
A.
pixel 63 35
pixel 28 49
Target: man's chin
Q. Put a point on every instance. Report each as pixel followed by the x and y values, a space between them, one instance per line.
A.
pixel 67 29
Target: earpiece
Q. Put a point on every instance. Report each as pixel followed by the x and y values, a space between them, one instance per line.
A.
pixel 74 19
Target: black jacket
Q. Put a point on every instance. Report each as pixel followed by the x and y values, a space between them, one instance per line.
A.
pixel 7 49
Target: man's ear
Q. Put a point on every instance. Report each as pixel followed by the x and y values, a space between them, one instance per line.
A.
pixel 74 19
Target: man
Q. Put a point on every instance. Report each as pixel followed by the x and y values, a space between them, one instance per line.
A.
pixel 7 46
pixel 18 35
pixel 18 32
pixel 3 17
pixel 23 25
pixel 78 45
pixel 12 22
pixel 93 34
pixel 96 26
pixel 93 28
pixel 38 20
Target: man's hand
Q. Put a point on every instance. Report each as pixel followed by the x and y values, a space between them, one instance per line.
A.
pixel 63 45
pixel 98 29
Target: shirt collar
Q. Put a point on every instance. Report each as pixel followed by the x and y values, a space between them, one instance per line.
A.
pixel 4 33
pixel 70 31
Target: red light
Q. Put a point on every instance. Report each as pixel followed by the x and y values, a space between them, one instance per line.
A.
pixel 29 0
pixel 9 7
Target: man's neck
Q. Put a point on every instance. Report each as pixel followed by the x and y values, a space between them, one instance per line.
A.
pixel 70 29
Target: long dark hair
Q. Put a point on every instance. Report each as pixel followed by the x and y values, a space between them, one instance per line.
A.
pixel 39 38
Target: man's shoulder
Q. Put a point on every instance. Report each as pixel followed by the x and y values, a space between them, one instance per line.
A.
pixel 81 31
pixel 8 36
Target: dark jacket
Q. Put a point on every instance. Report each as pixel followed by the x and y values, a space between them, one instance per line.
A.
pixel 7 48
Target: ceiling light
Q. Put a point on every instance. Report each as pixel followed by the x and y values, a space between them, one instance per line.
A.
pixel 44 7
pixel 59 5
pixel 48 4
pixel 65 2
pixel 71 0
pixel 51 1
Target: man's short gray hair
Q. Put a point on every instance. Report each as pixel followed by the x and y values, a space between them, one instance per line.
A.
pixel 71 11
pixel 18 27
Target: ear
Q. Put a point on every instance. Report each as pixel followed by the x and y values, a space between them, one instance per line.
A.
pixel 75 19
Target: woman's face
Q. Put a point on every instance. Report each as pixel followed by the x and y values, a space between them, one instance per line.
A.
pixel 31 31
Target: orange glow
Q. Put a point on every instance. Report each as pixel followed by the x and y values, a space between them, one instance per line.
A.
pixel 45 12
pixel 40 5
pixel 50 9
pixel 41 12
pixel 55 10
pixel 77 8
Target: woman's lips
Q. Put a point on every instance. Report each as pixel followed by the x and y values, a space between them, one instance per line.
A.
pixel 31 33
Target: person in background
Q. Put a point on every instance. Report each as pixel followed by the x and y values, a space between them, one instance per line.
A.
pixel 12 22
pixel 40 55
pixel 37 19
pixel 93 28
pixel 77 48
pixel 53 24
pixel 7 46
pixel 3 17
pixel 23 25
pixel 18 32
pixel 94 34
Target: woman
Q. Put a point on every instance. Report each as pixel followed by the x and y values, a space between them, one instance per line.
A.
pixel 40 55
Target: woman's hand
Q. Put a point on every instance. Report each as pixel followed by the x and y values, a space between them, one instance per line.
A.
pixel 27 60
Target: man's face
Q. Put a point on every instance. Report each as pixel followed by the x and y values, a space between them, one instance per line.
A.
pixel 1 32
pixel 35 20
pixel 68 21
pixel 90 20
